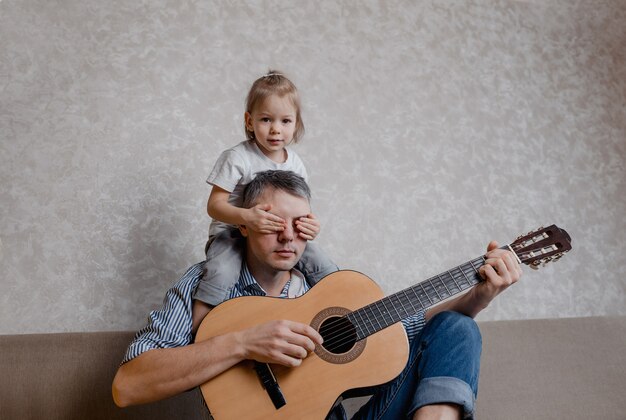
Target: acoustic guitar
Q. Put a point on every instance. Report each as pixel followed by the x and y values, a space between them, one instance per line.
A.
pixel 364 342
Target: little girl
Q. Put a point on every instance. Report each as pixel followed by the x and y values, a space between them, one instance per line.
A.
pixel 272 121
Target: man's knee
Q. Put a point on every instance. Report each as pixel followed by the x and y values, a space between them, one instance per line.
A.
pixel 452 346
pixel 459 327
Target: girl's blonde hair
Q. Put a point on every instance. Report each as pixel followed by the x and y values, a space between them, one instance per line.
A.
pixel 274 83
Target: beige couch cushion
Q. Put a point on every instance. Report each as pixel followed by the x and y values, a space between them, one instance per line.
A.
pixel 68 376
pixel 553 369
pixel 539 369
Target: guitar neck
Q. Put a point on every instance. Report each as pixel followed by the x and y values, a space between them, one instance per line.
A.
pixel 394 308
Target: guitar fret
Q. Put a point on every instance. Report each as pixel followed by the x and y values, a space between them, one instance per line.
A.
pixel 382 308
pixel 395 307
pixel 411 302
pixel 475 265
pixel 407 306
pixel 413 289
pixel 461 275
pixel 466 278
pixel 367 311
pixel 456 284
pixel 367 323
pixel 426 293
pixel 375 317
pixel 387 313
pixel 362 324
pixel 444 285
pixel 480 260
pixel 437 285
pixel 435 289
pixel 451 285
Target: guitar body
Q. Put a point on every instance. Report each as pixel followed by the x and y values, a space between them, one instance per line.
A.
pixel 311 389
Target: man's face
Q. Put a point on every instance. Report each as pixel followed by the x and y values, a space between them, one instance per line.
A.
pixel 278 251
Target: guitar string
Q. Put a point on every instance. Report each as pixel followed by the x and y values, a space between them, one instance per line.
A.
pixel 539 251
pixel 460 273
pixel 341 334
pixel 450 283
pixel 462 269
pixel 347 335
pixel 347 332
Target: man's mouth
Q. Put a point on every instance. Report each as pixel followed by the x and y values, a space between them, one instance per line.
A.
pixel 285 252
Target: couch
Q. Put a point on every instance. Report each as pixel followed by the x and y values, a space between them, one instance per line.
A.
pixel 571 368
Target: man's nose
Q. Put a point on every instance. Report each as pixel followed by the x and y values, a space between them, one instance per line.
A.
pixel 287 235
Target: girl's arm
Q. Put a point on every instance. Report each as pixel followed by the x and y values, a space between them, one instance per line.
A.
pixel 220 209
pixel 257 218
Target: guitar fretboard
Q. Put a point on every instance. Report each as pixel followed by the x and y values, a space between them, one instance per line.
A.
pixel 394 308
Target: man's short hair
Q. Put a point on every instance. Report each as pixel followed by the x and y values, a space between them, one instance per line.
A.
pixel 286 181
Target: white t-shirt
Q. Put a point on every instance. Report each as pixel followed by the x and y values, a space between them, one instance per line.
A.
pixel 237 166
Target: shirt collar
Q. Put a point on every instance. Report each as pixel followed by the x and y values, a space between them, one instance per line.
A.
pixel 249 285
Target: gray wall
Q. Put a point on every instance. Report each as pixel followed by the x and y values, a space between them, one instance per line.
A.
pixel 432 127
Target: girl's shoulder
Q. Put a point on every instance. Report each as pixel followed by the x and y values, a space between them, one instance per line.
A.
pixel 242 147
pixel 293 157
pixel 240 151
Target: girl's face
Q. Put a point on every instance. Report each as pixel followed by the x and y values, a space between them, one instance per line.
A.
pixel 273 122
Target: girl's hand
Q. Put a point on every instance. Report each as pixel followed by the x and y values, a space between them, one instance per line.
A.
pixel 308 227
pixel 259 219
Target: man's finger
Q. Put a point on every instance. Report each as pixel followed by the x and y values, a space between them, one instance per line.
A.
pixel 307 331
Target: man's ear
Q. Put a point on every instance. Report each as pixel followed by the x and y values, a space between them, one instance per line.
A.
pixel 243 230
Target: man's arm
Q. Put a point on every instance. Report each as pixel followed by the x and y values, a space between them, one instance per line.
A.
pixel 162 373
pixel 501 270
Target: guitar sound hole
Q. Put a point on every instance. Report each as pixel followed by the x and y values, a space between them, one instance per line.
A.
pixel 339 335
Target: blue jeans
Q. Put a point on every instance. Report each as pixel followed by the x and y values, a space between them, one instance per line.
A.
pixel 443 367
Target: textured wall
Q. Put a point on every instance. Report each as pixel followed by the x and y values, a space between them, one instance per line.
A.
pixel 432 127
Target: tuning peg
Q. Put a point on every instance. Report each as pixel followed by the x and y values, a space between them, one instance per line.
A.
pixel 535 231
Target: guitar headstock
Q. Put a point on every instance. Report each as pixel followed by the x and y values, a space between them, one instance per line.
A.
pixel 542 246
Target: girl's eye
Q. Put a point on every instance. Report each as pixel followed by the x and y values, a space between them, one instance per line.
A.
pixel 286 121
pixel 265 119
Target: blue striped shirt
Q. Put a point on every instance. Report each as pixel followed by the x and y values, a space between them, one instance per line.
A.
pixel 170 326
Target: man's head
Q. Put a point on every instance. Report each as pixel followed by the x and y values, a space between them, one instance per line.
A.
pixel 288 195
pixel 286 181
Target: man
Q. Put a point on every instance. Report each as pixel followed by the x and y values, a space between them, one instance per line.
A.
pixel 440 380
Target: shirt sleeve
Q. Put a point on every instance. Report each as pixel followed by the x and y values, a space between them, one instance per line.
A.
pixel 298 166
pixel 170 326
pixel 414 324
pixel 229 169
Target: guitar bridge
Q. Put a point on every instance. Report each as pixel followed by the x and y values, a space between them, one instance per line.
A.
pixel 270 384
